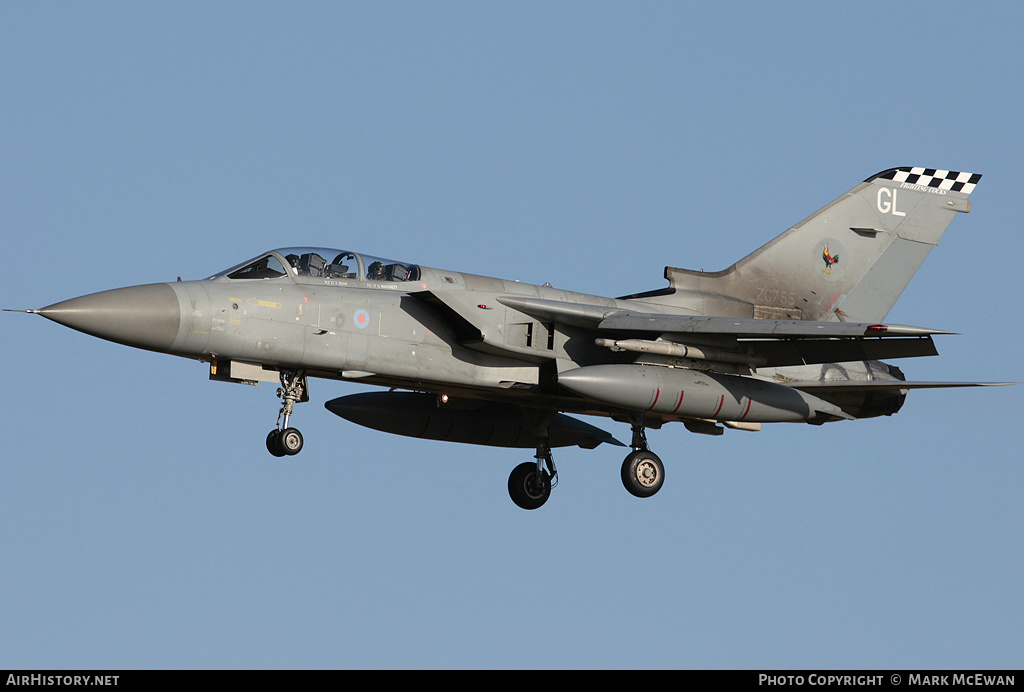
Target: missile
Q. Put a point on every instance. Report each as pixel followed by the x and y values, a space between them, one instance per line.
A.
pixel 417 414
pixel 667 348
pixel 693 394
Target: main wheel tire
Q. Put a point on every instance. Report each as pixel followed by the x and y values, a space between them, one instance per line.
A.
pixel 643 474
pixel 274 443
pixel 528 489
pixel 290 441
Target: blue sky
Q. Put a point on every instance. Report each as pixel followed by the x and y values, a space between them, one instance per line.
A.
pixel 142 522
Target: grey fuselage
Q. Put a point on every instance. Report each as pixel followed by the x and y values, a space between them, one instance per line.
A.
pixel 442 332
pixel 385 332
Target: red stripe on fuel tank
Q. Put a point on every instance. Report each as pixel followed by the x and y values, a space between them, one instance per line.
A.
pixel 657 393
pixel 721 401
pixel 747 410
pixel 680 402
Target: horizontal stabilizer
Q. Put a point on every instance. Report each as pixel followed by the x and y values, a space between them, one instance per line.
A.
pixel 821 386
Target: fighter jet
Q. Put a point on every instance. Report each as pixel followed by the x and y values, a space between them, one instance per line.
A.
pixel 793 332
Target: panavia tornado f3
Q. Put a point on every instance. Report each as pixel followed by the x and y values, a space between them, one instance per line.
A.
pixel 793 332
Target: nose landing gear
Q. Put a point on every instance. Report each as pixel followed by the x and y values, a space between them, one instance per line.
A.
pixel 284 440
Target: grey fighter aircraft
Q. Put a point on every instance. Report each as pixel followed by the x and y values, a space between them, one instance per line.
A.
pixel 793 332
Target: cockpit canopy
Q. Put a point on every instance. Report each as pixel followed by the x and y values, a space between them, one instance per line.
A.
pixel 322 263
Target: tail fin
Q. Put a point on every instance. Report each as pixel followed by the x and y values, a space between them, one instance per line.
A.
pixel 850 260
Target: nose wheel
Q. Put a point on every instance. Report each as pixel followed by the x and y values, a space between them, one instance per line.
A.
pixel 284 440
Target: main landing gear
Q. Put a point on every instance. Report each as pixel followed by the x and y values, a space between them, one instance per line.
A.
pixel 643 474
pixel 530 483
pixel 283 440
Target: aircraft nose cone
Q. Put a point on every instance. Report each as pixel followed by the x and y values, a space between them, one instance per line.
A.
pixel 142 316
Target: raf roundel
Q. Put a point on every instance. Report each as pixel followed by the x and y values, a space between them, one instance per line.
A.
pixel 361 318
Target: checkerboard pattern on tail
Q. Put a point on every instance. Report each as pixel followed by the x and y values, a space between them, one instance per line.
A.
pixel 932 177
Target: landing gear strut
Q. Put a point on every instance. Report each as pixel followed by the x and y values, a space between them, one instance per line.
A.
pixel 643 474
pixel 283 440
